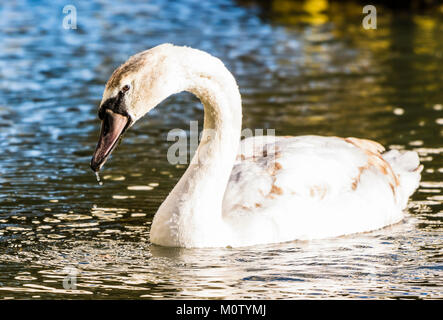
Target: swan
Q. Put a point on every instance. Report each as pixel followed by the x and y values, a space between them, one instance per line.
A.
pixel 262 189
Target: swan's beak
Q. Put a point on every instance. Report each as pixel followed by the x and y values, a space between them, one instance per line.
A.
pixel 113 127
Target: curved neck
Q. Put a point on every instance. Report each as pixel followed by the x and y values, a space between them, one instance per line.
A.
pixel 193 209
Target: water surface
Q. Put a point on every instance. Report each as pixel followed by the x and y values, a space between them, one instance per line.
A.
pixel 306 68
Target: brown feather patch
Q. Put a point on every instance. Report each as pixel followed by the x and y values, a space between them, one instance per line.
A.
pixel 373 151
pixel 133 64
pixel 319 191
pixel 276 190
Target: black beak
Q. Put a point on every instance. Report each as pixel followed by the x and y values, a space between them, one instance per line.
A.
pixel 113 127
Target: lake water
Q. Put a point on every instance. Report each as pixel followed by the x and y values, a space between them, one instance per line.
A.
pixel 307 68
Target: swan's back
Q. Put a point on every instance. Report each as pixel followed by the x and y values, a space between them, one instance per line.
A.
pixel 284 188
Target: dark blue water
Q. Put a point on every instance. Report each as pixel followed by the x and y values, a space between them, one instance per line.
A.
pixel 303 68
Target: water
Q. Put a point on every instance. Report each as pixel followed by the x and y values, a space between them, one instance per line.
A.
pixel 301 71
pixel 97 176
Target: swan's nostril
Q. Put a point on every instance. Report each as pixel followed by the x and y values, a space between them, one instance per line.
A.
pixel 106 125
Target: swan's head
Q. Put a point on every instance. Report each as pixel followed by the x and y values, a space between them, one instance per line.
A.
pixel 134 89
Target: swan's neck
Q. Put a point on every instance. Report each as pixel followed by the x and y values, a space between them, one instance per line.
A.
pixel 192 213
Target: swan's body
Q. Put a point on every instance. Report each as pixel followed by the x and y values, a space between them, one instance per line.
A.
pixel 264 189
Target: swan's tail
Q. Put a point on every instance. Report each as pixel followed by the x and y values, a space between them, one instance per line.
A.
pixel 407 167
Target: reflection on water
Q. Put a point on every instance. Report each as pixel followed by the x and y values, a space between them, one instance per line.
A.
pixel 387 263
pixel 303 67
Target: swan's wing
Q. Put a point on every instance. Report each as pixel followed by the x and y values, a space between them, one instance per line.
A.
pixel 315 187
pixel 310 167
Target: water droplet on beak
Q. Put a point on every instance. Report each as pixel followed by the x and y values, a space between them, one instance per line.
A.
pixel 97 175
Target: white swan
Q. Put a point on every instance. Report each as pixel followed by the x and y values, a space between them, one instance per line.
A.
pixel 274 190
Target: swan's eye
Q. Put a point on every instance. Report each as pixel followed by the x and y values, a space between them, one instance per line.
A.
pixel 125 88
